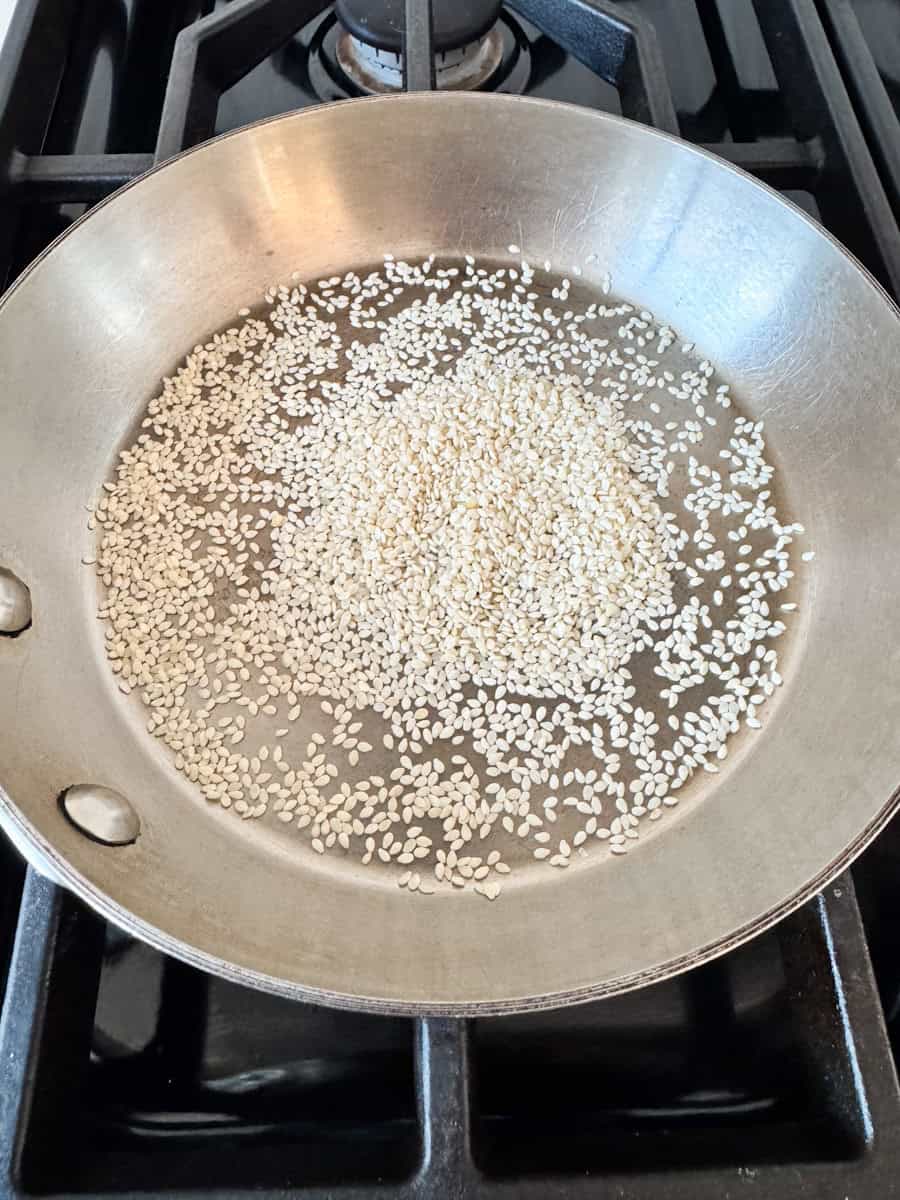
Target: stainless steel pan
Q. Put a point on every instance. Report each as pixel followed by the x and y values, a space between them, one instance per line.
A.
pixel 806 337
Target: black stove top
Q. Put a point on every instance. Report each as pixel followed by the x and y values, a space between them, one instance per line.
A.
pixel 769 1072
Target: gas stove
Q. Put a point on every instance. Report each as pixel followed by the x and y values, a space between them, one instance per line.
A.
pixel 769 1072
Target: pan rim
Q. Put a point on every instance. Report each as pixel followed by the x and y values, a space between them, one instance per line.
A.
pixel 44 856
pixel 61 872
pixel 463 98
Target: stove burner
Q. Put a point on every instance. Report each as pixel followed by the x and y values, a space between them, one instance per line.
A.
pixel 339 64
pixel 380 23
pixel 374 69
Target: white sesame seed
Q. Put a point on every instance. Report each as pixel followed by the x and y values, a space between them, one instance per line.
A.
pixel 598 513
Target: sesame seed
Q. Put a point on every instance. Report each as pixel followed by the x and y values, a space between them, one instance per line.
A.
pixel 426 510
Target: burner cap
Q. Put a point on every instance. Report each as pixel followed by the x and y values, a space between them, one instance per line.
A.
pixel 374 70
pixel 379 23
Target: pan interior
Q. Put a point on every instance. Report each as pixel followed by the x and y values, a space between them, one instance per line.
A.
pixel 269 735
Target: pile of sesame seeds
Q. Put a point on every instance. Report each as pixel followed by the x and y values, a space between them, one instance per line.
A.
pixel 446 567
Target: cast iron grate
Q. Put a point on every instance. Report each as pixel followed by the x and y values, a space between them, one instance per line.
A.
pixel 820 155
pixel 866 42
pixel 489 1108
pixel 122 1071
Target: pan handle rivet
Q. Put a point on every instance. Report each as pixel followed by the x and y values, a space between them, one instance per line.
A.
pixel 100 813
pixel 15 604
